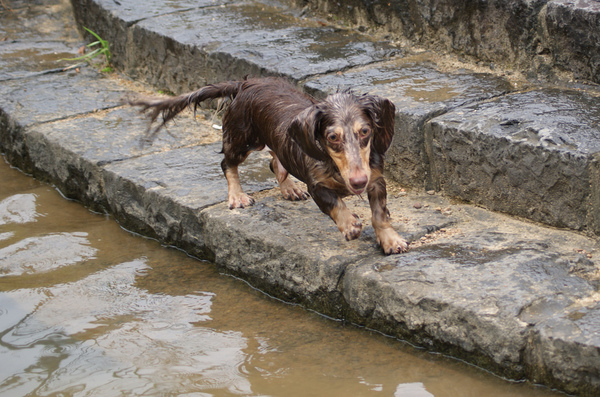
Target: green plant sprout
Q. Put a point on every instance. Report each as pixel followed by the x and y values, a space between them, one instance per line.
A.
pixel 101 50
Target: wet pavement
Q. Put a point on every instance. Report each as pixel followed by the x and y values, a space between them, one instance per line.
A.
pixel 516 297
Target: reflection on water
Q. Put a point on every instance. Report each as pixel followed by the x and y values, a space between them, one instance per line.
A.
pixel 87 309
pixel 43 253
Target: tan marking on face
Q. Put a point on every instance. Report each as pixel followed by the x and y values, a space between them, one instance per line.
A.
pixel 365 154
pixel 352 160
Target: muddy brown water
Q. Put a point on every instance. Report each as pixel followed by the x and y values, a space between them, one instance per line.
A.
pixel 87 308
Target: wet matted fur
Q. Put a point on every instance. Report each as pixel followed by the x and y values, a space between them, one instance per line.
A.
pixel 336 146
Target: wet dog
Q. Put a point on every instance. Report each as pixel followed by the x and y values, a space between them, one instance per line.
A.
pixel 335 146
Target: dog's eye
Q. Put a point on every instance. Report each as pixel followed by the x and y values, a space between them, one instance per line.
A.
pixel 334 138
pixel 365 131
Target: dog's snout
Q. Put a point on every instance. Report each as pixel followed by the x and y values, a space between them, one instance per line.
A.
pixel 358 182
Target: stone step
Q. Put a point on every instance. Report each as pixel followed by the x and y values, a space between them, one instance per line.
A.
pixel 547 39
pixel 530 164
pixel 513 297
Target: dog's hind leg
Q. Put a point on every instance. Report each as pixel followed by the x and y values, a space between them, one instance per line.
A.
pixel 289 189
pixel 235 194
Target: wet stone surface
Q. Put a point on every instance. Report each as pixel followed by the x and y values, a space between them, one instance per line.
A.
pixel 420 91
pixel 131 11
pixel 160 195
pixel 112 19
pixel 259 40
pixel 573 35
pixel 288 248
pixel 49 97
pixel 486 280
pixel 38 21
pixel 35 37
pixel 527 154
pixel 571 335
pixel 58 95
pixel 296 252
pixel 72 152
pixel 121 133
pixel 24 59
pixel 541 38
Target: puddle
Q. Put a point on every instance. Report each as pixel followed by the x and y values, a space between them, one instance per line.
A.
pixel 416 83
pixel 94 310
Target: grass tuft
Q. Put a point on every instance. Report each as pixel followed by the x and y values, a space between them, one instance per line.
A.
pixel 101 50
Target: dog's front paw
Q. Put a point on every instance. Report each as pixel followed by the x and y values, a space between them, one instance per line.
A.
pixel 352 227
pixel 391 242
pixel 291 191
pixel 240 200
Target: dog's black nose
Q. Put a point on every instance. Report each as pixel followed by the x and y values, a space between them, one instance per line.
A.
pixel 359 182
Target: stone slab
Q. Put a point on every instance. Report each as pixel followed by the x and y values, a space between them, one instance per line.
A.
pixel 295 252
pixel 573 37
pixel 420 91
pixel 569 337
pixel 71 152
pixel 527 154
pixel 122 133
pixel 35 36
pixel 26 58
pixel 541 38
pixel 132 11
pixel 42 21
pixel 493 31
pixel 160 195
pixel 59 95
pixel 187 49
pixel 183 49
pixel 490 284
pixel 476 285
pixel 112 19
pixel 50 97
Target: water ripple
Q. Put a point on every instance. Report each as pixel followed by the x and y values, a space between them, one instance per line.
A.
pixel 105 336
pixel 41 254
pixel 19 208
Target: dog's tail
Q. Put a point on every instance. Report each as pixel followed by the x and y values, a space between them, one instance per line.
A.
pixel 168 108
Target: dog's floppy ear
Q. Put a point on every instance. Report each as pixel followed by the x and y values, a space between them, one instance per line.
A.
pixel 304 131
pixel 383 114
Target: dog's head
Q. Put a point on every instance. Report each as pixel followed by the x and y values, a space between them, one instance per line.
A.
pixel 345 129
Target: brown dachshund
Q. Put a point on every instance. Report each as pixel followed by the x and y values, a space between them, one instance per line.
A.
pixel 336 146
